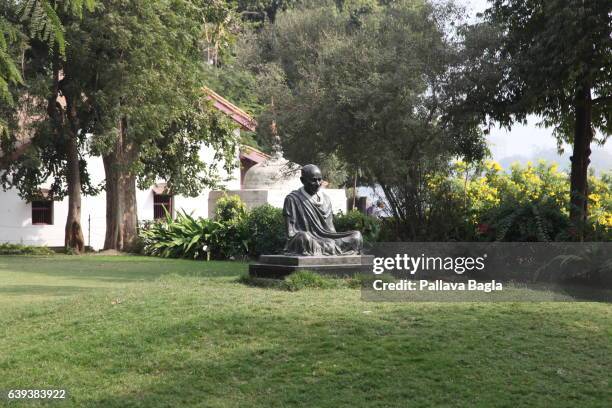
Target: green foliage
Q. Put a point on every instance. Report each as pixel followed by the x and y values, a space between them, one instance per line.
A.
pixel 131 75
pixel 231 238
pixel 233 234
pixel 366 83
pixel 529 203
pixel 19 249
pixel 528 59
pixel 9 73
pixel 266 229
pixel 225 237
pixel 506 54
pixel 44 22
pixel 183 237
pixel 356 221
pixel 166 111
pixel 532 221
pixel 599 222
pixel 229 208
pixel 258 11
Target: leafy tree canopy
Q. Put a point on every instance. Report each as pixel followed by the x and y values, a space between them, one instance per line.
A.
pixel 530 58
pixel 367 83
pixel 551 58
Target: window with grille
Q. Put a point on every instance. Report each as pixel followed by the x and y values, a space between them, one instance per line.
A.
pixel 42 212
pixel 162 203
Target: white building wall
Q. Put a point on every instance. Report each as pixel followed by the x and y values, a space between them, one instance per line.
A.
pixel 16 214
pixel 274 197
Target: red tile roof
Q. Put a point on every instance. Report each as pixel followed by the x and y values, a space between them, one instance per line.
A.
pixel 245 120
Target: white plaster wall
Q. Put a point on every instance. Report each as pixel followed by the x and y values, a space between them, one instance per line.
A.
pixel 16 214
pixel 16 222
pixel 338 199
pixel 276 198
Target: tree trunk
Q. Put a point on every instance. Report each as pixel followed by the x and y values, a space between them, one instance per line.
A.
pixel 73 232
pixel 73 237
pixel 121 213
pixel 66 125
pixel 583 135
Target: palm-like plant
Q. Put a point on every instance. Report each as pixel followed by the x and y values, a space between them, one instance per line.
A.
pixel 183 237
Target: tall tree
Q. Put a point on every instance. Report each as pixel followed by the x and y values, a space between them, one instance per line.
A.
pixel 128 88
pixel 551 58
pixel 141 68
pixel 366 83
pixel 55 145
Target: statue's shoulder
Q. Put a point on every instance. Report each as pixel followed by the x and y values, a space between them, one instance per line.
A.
pixel 293 196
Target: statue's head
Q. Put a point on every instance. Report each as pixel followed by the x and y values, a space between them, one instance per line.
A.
pixel 311 178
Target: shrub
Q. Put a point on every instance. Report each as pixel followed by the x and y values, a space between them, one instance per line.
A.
pixel 19 249
pixel 183 237
pixel 591 265
pixel 230 208
pixel 225 237
pixel 600 208
pixel 528 203
pixel 266 228
pixel 357 221
pixel 230 240
pixel 513 221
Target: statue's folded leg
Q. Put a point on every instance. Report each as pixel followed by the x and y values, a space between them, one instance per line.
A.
pixel 350 244
pixel 303 243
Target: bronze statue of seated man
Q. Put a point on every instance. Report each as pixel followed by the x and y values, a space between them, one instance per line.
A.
pixel 309 221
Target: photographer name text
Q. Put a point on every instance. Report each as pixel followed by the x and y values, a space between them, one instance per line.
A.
pixel 437 285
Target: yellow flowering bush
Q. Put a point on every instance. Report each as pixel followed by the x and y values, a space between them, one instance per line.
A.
pixel 526 203
pixel 600 206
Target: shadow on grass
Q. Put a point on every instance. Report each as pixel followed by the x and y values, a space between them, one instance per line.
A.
pixel 432 356
pixel 118 268
pixel 42 290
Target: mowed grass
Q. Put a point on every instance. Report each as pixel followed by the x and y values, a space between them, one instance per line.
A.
pixel 148 332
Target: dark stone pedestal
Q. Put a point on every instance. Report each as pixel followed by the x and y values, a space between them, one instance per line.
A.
pixel 279 266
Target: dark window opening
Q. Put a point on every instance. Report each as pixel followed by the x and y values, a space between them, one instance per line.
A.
pixel 162 203
pixel 42 212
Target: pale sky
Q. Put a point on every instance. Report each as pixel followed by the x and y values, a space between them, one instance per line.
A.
pixel 526 142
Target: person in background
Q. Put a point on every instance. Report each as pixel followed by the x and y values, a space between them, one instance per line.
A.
pixel 376 210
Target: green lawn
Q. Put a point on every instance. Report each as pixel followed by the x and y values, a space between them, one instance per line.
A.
pixel 147 332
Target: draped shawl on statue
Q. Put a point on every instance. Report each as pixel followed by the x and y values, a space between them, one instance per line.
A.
pixel 310 228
